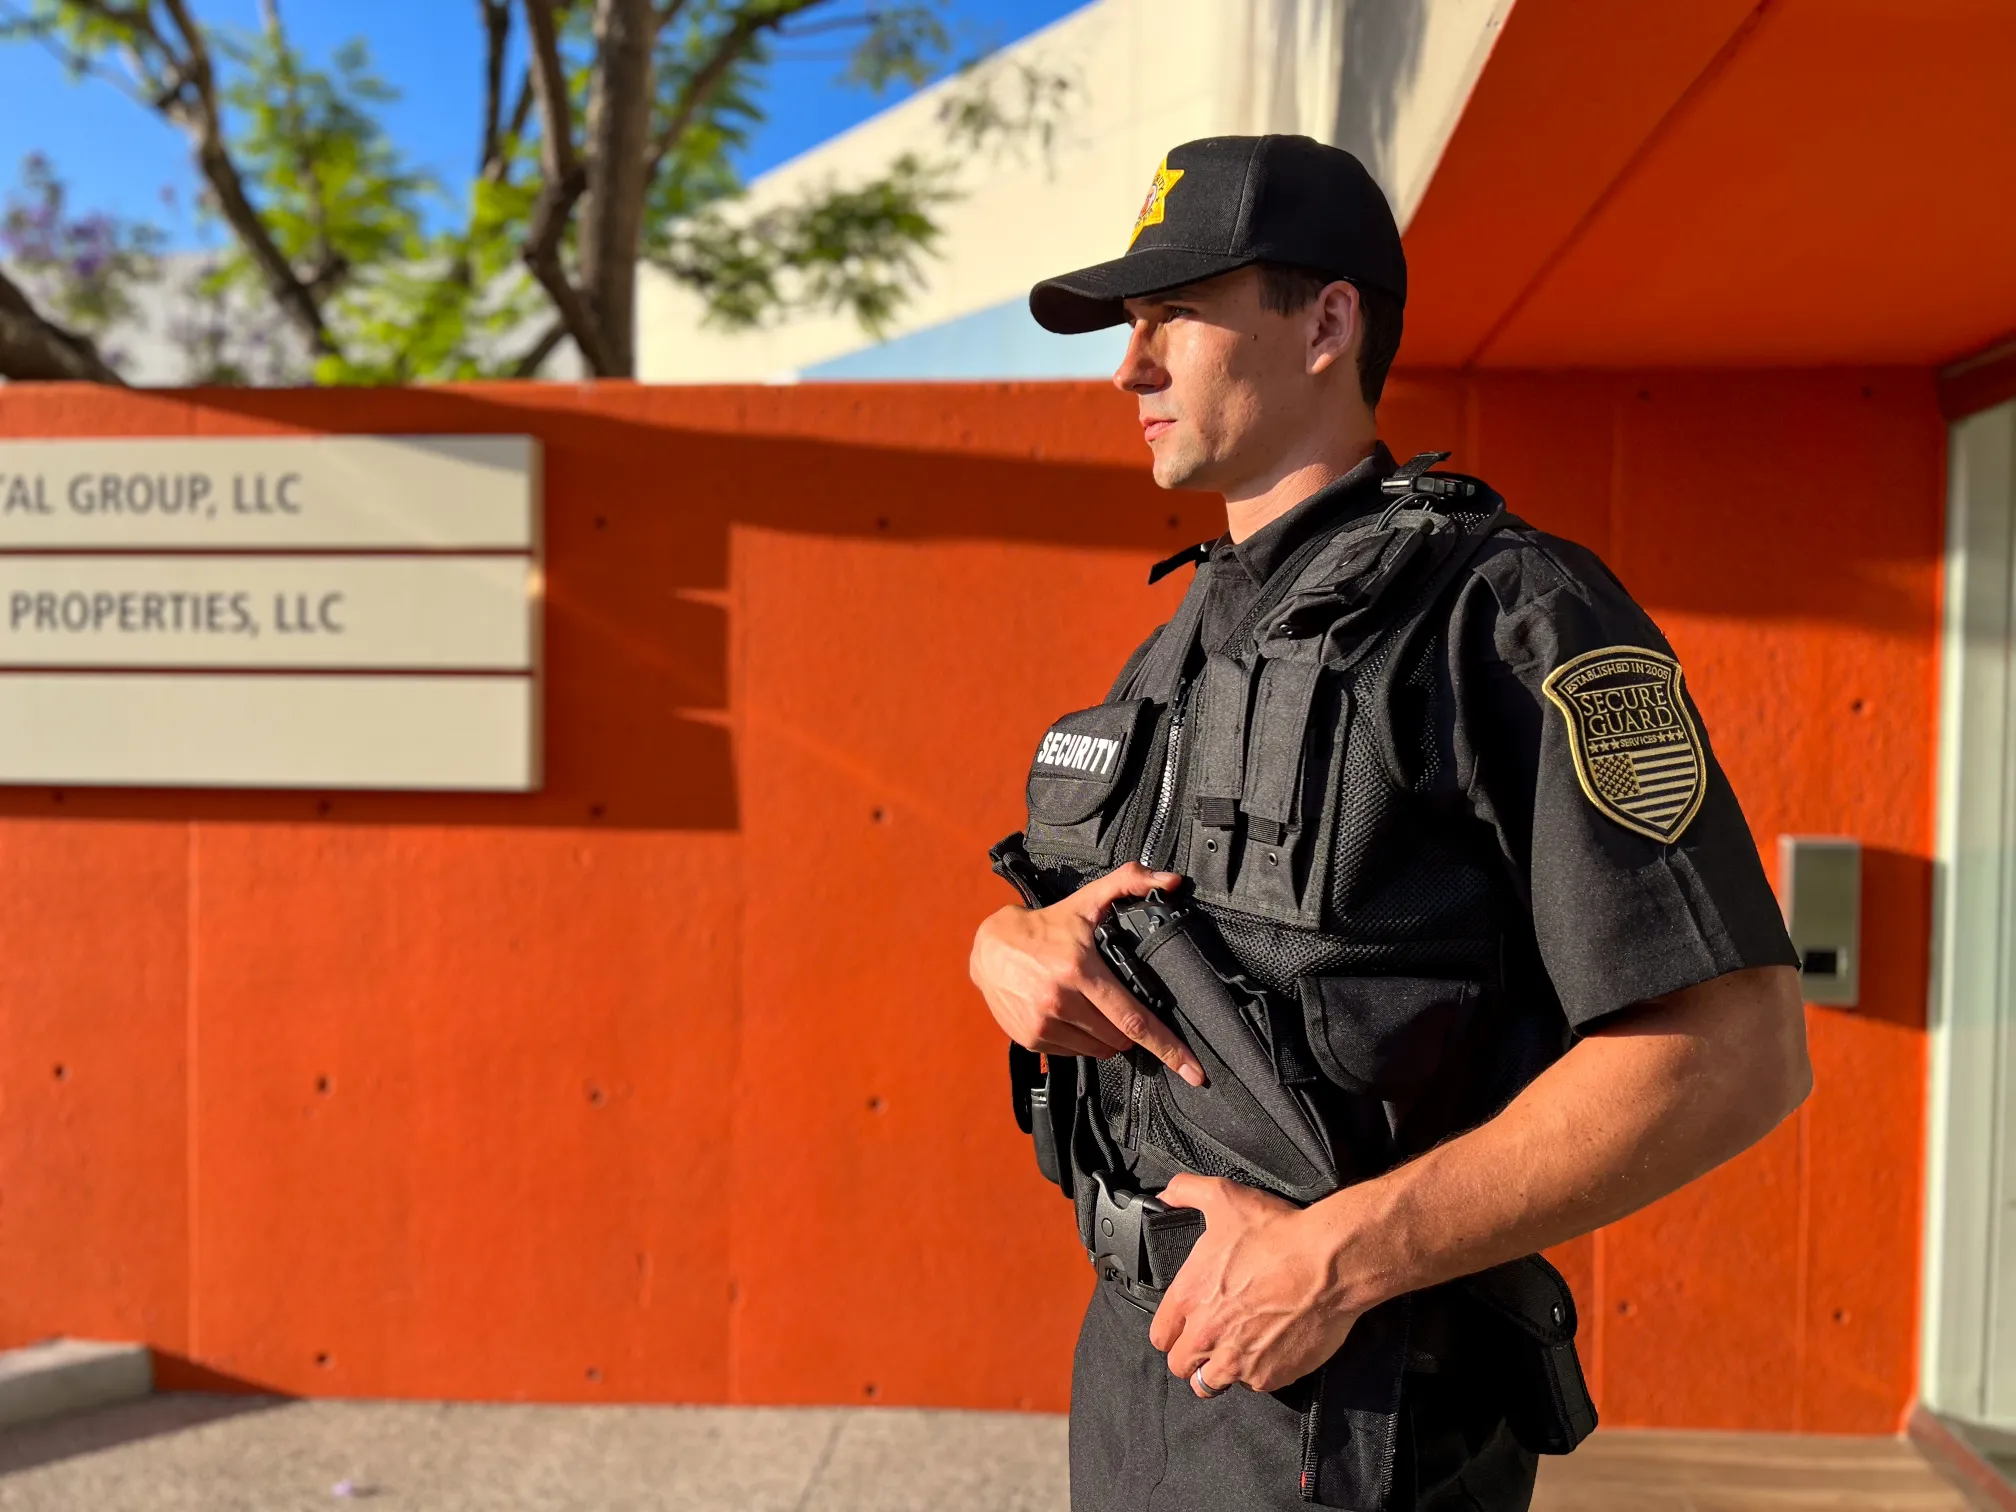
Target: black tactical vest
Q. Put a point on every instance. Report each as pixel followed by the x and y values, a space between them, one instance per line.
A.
pixel 1283 773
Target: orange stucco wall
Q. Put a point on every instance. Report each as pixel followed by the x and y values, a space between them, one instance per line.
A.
pixel 666 1083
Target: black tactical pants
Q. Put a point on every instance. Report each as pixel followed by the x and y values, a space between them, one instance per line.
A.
pixel 1142 1441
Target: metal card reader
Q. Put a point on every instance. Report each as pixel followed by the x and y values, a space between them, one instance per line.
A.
pixel 1820 891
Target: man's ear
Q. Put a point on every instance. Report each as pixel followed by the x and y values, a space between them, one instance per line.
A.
pixel 1334 325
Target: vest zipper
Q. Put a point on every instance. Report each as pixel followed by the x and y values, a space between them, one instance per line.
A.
pixel 1172 766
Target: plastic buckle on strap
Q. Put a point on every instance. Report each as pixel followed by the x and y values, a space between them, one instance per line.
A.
pixel 1119 1249
pixel 1401 481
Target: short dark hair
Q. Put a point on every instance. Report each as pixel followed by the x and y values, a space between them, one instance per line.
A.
pixel 1286 289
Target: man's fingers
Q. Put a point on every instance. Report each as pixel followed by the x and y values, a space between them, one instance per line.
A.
pixel 1082 1017
pixel 1188 1348
pixel 1066 1039
pixel 1199 1377
pixel 1186 1189
pixel 1130 881
pixel 1125 1012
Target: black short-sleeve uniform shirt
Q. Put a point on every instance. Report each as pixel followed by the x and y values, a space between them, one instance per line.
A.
pixel 1619 915
pixel 1554 783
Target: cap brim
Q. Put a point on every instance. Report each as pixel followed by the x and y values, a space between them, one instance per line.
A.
pixel 1092 298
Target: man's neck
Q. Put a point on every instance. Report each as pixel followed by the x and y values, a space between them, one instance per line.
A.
pixel 1265 501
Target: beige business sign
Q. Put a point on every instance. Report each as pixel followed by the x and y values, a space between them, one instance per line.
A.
pixel 321 612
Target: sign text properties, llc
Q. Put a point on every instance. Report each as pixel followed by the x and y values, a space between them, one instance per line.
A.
pixel 194 494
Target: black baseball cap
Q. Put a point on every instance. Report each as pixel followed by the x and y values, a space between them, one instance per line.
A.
pixel 1221 203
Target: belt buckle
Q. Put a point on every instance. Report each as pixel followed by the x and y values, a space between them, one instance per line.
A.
pixel 1119 1250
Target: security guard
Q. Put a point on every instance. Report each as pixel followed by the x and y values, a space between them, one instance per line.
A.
pixel 1424 792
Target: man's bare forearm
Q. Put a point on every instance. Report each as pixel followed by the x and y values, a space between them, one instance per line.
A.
pixel 1632 1112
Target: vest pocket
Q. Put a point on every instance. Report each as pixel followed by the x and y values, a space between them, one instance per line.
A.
pixel 1386 1037
pixel 1086 766
pixel 1271 735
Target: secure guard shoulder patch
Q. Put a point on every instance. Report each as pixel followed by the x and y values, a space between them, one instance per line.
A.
pixel 1637 752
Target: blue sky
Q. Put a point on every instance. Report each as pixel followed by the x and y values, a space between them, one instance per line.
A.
pixel 117 156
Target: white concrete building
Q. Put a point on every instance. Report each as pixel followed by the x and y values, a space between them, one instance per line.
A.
pixel 1387 79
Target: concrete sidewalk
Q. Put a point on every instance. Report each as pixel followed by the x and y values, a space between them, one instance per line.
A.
pixel 257 1454
pixel 253 1454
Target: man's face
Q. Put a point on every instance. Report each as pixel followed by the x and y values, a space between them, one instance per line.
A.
pixel 1226 388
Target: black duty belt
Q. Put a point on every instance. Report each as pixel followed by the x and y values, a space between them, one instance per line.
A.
pixel 1137 1243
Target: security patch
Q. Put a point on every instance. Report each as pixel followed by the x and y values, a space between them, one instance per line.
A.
pixel 1066 751
pixel 1637 753
pixel 1158 199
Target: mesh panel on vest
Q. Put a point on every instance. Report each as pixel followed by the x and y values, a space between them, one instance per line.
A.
pixel 1116 1080
pixel 1277 954
pixel 1404 898
pixel 1164 1135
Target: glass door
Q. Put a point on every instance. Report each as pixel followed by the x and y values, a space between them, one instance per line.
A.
pixel 1968 1368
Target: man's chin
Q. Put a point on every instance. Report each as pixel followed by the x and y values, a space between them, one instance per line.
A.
pixel 1171 471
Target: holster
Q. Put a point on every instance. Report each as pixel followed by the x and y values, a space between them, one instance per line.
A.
pixel 1251 1114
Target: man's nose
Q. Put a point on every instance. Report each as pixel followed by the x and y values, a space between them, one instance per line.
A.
pixel 1139 372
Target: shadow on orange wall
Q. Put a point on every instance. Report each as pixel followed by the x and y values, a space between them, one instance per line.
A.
pixel 665 1083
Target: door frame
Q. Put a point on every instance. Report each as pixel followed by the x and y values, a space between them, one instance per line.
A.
pixel 1967 1339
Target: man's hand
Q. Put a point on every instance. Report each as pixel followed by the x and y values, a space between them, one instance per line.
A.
pixel 1258 1302
pixel 1049 990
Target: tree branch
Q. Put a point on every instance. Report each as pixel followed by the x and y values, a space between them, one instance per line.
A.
pixel 329 268
pixel 618 131
pixel 496 37
pixel 542 255
pixel 528 366
pixel 522 111
pixel 498 168
pixel 708 78
pixel 34 348
pixel 16 25
pixel 564 184
pixel 549 81
pixel 194 108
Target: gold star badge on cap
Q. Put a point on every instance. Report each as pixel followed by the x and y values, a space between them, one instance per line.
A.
pixel 1158 196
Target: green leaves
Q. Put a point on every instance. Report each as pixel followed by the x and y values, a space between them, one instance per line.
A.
pixel 904 44
pixel 383 277
pixel 856 251
pixel 333 190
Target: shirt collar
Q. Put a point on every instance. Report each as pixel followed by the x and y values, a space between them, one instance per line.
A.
pixel 1268 547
